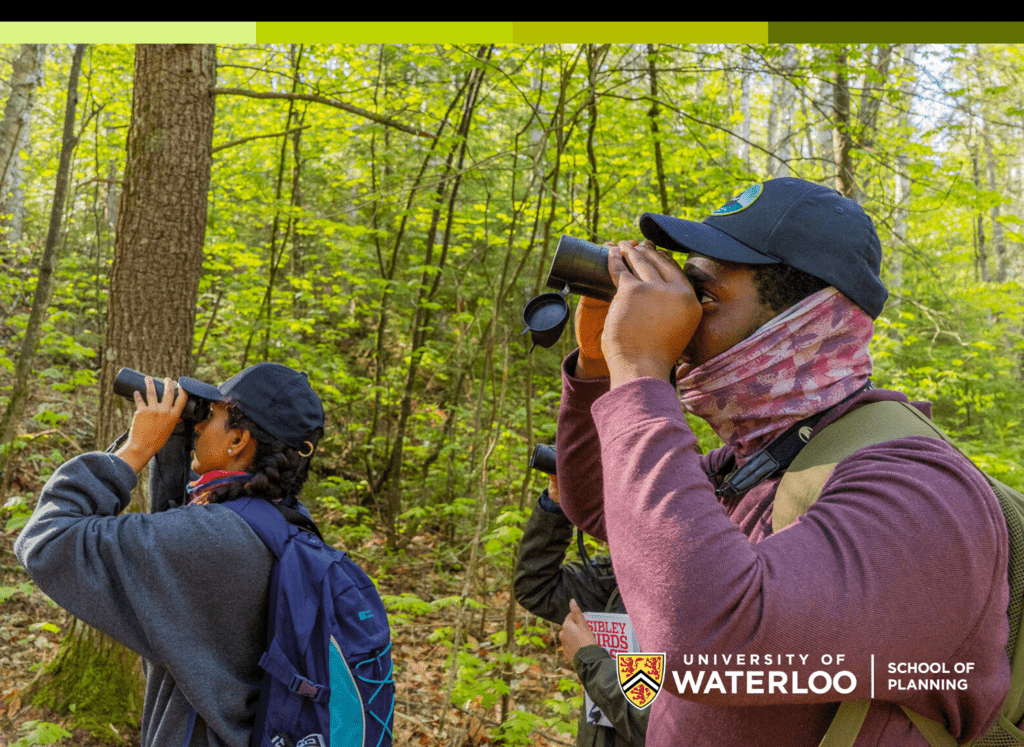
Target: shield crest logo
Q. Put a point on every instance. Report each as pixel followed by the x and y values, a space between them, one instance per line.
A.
pixel 640 677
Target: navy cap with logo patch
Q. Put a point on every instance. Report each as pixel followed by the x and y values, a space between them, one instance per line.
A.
pixel 277 398
pixel 789 221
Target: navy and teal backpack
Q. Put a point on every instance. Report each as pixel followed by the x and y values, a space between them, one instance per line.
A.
pixel 328 673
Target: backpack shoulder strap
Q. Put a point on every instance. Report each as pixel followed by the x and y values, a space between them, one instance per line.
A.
pixel 264 519
pixel 845 726
pixel 876 423
pixel 869 424
pixel 1012 504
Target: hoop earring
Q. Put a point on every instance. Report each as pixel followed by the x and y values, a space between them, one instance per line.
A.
pixel 308 453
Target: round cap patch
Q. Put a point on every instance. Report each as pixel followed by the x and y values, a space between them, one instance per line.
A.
pixel 742 201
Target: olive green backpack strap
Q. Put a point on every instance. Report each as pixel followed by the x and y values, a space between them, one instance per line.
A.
pixel 871 424
pixel 867 425
pixel 845 726
pixel 1004 731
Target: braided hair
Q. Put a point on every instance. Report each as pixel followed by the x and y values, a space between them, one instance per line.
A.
pixel 278 471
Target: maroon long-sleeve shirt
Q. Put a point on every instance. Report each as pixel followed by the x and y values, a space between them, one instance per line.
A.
pixel 899 566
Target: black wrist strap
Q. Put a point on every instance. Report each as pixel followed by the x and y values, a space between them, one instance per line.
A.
pixel 118 442
pixel 588 562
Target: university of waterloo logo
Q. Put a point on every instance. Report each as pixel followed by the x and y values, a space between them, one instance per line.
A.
pixel 640 677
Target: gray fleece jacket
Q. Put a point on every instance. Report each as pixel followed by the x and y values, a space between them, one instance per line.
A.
pixel 184 588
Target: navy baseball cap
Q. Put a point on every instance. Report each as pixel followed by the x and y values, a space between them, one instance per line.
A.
pixel 277 398
pixel 789 221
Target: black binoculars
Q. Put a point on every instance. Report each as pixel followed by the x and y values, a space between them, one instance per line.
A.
pixel 543 459
pixel 128 381
pixel 583 267
pixel 579 267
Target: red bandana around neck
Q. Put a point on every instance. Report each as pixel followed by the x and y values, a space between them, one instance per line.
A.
pixel 201 491
pixel 807 359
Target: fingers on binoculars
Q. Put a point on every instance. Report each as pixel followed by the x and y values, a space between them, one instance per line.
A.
pixel 180 396
pixel 650 264
pixel 173 398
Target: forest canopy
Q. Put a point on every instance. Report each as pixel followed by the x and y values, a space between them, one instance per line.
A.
pixel 377 216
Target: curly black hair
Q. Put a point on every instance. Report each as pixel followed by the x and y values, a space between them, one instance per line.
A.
pixel 278 470
pixel 780 286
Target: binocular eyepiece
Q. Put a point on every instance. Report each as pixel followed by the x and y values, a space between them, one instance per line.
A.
pixel 128 381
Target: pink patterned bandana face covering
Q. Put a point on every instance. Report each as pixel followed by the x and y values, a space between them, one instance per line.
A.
pixel 805 360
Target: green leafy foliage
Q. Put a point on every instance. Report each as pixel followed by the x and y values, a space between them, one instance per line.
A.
pixel 6 592
pixel 387 246
pixel 40 733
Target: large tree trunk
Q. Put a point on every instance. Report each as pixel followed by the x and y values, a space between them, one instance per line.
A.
pixel 153 288
pixel 26 76
pixel 161 221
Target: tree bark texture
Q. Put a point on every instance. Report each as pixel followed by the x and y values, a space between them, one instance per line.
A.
pixel 26 76
pixel 161 223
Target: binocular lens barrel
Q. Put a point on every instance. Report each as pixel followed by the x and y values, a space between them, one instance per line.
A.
pixel 543 459
pixel 128 381
pixel 583 266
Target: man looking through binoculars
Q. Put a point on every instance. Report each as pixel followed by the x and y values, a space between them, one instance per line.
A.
pixel 770 317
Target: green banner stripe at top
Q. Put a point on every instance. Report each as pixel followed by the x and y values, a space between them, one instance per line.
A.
pixel 895 32
pixel 384 32
pixel 511 32
pixel 640 32
pixel 127 32
pixel 254 32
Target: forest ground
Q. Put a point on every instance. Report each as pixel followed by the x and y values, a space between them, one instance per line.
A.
pixel 422 674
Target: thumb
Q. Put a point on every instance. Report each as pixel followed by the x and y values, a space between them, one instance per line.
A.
pixel 577 615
